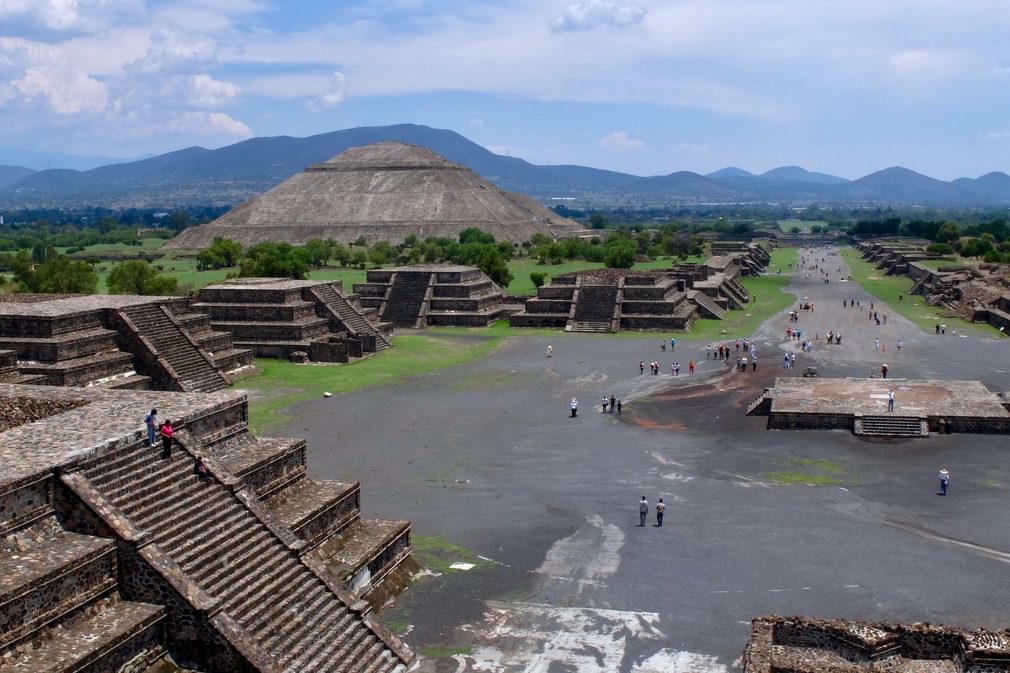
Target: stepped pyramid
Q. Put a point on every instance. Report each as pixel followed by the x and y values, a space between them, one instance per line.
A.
pixel 386 191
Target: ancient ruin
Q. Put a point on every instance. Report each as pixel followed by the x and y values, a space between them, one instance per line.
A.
pixel 114 341
pixel 861 406
pixel 976 294
pixel 299 319
pixel 608 300
pixel 114 559
pixel 801 645
pixel 417 296
pixel 382 192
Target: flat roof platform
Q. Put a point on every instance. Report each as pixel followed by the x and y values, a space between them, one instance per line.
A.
pixel 936 405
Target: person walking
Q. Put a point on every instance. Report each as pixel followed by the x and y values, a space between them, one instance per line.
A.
pixel 898 345
pixel 574 406
pixel 151 421
pixel 604 403
pixel 643 512
pixel 660 510
pixel 641 367
pixel 890 399
pixel 613 403
pixel 883 371
pixel 166 439
pixel 550 350
pixel 944 480
pixel 618 407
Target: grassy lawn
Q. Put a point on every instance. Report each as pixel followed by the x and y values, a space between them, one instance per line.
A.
pixel 784 260
pixel 280 384
pixel 937 263
pixel 147 245
pixel 913 307
pixel 810 471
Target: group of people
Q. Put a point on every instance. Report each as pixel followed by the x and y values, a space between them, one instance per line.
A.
pixel 167 433
pixel 610 403
pixel 643 512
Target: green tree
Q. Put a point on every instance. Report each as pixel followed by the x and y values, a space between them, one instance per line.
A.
pixel 538 278
pixel 274 260
pixel 222 253
pixel 598 221
pixel 474 235
pixel 621 252
pixel 60 275
pixel 947 233
pixel 359 259
pixel 317 252
pixel 139 277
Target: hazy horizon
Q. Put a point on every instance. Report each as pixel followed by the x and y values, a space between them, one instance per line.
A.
pixel 636 86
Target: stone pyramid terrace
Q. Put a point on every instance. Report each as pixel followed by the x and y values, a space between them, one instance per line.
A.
pixel 422 295
pixel 281 318
pixel 114 341
pixel 114 559
pixel 384 192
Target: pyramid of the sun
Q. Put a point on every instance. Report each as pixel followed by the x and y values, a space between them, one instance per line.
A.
pixel 384 192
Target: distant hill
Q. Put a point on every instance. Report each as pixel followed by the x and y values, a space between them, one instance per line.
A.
pixel 230 175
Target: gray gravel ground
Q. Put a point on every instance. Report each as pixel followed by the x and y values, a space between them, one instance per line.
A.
pixel 485 456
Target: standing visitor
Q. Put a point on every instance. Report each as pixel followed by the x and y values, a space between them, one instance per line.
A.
pixel 618 407
pixel 550 350
pixel 643 512
pixel 166 440
pixel 574 407
pixel 660 510
pixel 641 367
pixel 890 399
pixel 944 479
pixel 151 421
pixel 613 403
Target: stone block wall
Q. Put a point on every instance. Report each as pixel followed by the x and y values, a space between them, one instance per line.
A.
pixel 334 350
pixel 799 421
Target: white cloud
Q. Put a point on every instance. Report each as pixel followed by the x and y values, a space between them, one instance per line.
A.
pixel 620 141
pixel 207 123
pixel 206 92
pixel 590 14
pixel 33 73
pixel 333 95
pixel 996 135
pixel 171 50
pixel 63 15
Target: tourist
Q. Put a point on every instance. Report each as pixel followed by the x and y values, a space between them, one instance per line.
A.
pixel 166 439
pixel 883 371
pixel 604 409
pixel 613 403
pixel 151 421
pixel 673 344
pixel 550 350
pixel 898 345
pixel 792 360
pixel 937 329
pixel 641 367
pixel 944 480
pixel 754 363
pixel 785 362
pixel 574 407
pixel 660 510
pixel 708 352
pixel 690 367
pixel 943 328
pixel 643 512
pixel 876 344
pixel 890 399
pixel 618 407
pixel 662 345
pixel 200 470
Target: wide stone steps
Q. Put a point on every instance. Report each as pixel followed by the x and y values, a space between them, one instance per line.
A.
pixel 596 303
pixel 891 426
pixel 195 373
pixel 349 315
pixel 406 299
pixel 706 305
pixel 232 555
pixel 590 326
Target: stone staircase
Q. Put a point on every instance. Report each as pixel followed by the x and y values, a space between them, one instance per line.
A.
pixel 891 426
pixel 734 292
pixel 706 306
pixel 61 610
pixel 348 316
pixel 171 350
pixel 218 345
pixel 224 542
pixel 405 305
pixel 594 309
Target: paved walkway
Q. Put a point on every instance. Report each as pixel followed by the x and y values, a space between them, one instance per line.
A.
pixel 485 456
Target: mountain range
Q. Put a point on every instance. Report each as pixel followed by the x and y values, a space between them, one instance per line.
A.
pixel 229 175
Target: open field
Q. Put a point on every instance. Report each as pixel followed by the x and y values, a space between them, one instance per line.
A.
pixel 889 288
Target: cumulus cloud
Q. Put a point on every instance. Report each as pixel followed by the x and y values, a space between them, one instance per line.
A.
pixel 63 15
pixel 334 95
pixel 590 14
pixel 206 92
pixel 996 135
pixel 33 73
pixel 207 123
pixel 620 141
pixel 172 50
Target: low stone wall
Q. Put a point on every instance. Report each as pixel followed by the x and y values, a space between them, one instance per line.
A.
pixel 463 319
pixel 799 421
pixel 21 409
pixel 25 500
pixel 538 320
pixel 330 351
pixel 975 424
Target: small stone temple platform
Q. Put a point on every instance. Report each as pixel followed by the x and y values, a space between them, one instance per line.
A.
pixel 860 405
pixel 801 645
pixel 114 559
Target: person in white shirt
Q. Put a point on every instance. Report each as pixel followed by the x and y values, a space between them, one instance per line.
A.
pixel 944 479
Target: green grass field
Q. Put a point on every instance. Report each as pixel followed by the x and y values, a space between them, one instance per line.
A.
pixel 955 261
pixel 147 245
pixel 889 288
pixel 767 299
pixel 279 384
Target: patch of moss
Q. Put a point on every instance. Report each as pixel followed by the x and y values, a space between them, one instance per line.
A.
pixel 438 554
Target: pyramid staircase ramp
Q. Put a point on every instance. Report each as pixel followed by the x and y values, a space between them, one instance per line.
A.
pixel 594 309
pixel 736 290
pixel 170 350
pixel 706 305
pixel 891 426
pixel 348 316
pixel 224 542
pixel 918 285
pixel 405 305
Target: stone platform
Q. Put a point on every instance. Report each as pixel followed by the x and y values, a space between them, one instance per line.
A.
pixel 861 405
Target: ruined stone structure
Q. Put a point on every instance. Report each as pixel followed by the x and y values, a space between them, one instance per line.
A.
pixel 114 560
pixel 800 645
pixel 976 294
pixel 860 405
pixel 416 296
pixel 384 192
pixel 280 318
pixel 608 300
pixel 114 341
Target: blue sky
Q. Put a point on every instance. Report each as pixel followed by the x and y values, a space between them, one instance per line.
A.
pixel 642 86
